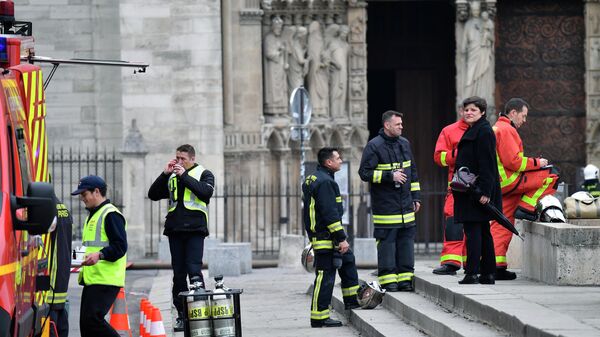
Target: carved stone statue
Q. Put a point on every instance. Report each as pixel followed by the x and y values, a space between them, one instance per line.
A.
pixel 275 66
pixel 298 59
pixel 318 73
pixel 338 88
pixel 478 54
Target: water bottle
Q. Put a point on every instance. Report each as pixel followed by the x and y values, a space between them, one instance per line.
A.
pixel 397 184
pixel 337 258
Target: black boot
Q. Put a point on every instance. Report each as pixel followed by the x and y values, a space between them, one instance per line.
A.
pixel 405 286
pixel 325 323
pixel 446 269
pixel 391 287
pixel 469 279
pixel 504 275
pixel 487 279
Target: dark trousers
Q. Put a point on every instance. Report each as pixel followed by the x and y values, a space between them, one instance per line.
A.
pixel 187 250
pixel 325 279
pixel 61 321
pixel 480 248
pixel 95 303
pixel 395 254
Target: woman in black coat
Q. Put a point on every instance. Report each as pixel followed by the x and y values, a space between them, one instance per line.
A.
pixel 477 151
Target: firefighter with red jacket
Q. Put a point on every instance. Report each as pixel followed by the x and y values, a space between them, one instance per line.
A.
pixel 453 252
pixel 388 165
pixel 322 215
pixel 524 180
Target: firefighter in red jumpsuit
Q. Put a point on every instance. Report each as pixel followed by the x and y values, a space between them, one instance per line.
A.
pixel 524 180
pixel 453 253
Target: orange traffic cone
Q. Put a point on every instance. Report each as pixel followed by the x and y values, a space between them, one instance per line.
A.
pixel 119 319
pixel 157 329
pixel 143 303
pixel 148 321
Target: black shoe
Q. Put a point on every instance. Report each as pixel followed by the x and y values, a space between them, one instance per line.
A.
pixel 446 269
pixel 178 326
pixel 350 306
pixel 391 287
pixel 521 213
pixel 504 275
pixel 469 279
pixel 487 279
pixel 405 286
pixel 326 323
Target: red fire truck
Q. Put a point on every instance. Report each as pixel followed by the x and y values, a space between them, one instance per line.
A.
pixel 27 209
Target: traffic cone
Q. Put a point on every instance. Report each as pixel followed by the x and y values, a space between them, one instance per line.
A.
pixel 157 329
pixel 119 319
pixel 148 321
pixel 143 303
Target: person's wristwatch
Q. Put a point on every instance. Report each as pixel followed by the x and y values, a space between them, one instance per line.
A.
pixel 100 256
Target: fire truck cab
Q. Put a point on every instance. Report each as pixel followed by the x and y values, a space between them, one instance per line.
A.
pixel 27 207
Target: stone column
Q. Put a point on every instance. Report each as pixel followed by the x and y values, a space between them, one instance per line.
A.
pixel 134 191
pixel 357 81
pixel 592 80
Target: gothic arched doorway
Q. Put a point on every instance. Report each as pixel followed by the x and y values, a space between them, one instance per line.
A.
pixel 411 68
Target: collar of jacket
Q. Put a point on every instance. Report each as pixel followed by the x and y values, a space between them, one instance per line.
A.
pixel 326 170
pixel 471 133
pixel 504 119
pixel 386 137
pixel 95 209
pixel 462 124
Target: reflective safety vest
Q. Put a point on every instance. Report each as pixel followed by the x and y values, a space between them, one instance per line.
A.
pixel 94 239
pixel 190 200
pixel 509 152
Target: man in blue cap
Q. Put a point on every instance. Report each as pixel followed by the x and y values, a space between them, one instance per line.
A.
pixel 103 268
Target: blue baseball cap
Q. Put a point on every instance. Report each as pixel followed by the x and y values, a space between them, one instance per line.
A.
pixel 89 183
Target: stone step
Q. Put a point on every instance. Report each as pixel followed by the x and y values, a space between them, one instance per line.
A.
pixel 496 305
pixel 434 319
pixel 378 322
pixel 424 316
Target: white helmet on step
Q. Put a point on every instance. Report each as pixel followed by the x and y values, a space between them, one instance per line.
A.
pixel 370 295
pixel 550 209
pixel 590 172
pixel 308 258
pixel 583 196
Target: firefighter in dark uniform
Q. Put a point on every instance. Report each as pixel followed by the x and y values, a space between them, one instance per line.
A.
pixel 322 213
pixel 60 269
pixel 388 165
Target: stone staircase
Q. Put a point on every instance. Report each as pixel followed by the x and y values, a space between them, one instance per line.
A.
pixel 442 307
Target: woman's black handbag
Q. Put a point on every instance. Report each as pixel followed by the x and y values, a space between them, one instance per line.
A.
pixel 463 180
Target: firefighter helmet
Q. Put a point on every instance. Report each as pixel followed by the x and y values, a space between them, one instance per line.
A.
pixel 370 295
pixel 590 172
pixel 550 209
pixel 308 258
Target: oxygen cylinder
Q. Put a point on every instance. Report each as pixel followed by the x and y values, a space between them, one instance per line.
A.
pixel 222 311
pixel 199 310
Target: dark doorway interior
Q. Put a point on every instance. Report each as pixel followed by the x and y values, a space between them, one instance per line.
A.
pixel 411 68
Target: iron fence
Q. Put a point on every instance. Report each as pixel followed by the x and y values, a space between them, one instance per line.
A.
pixel 67 166
pixel 239 212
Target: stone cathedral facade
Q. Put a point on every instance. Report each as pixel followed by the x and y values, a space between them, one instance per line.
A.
pixel 222 71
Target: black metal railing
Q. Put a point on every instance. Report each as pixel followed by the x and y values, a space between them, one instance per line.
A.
pixel 67 166
pixel 239 212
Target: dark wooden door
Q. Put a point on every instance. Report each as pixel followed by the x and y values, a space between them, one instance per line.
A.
pixel 540 57
pixel 411 69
